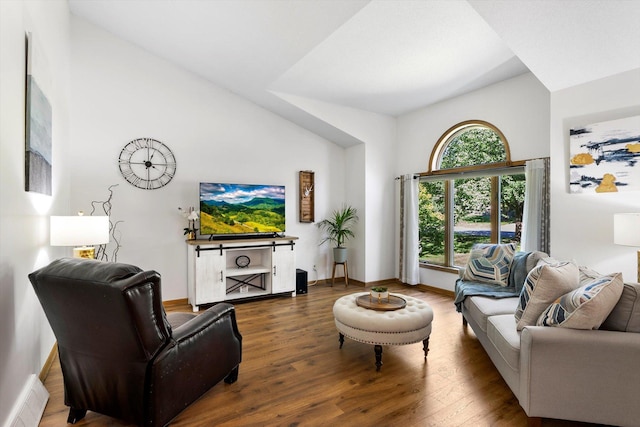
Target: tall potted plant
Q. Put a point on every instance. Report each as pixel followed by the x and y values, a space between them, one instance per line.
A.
pixel 338 229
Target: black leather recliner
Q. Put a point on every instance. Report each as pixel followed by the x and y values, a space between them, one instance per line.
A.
pixel 121 355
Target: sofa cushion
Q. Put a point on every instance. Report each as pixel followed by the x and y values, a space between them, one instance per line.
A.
pixel 544 284
pixel 586 307
pixel 625 316
pixel 503 334
pixel 481 308
pixel 490 263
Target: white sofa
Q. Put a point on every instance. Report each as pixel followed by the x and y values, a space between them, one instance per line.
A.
pixel 559 373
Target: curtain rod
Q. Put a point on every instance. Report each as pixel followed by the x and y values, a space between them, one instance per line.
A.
pixel 478 168
pixel 515 163
pixel 415 176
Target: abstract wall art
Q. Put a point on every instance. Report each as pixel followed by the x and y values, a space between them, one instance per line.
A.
pixel 38 121
pixel 605 157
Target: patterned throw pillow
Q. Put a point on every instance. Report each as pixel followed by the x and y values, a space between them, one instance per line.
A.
pixel 544 284
pixel 490 263
pixel 586 307
pixel 587 275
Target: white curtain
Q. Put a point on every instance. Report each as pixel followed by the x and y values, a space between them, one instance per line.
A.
pixel 409 254
pixel 535 216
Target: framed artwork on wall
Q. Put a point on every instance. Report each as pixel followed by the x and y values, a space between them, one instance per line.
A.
pixel 605 157
pixel 38 121
pixel 307 196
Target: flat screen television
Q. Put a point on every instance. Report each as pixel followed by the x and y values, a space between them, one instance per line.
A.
pixel 241 209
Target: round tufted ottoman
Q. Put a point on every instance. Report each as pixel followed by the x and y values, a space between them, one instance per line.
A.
pixel 407 325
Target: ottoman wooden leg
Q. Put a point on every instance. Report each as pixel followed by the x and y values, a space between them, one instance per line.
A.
pixel 378 351
pixel 341 339
pixel 425 347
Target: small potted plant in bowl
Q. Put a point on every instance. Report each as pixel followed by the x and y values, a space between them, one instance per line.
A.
pixel 379 293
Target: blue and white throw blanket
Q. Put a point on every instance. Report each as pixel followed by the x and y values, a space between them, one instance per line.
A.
pixel 517 276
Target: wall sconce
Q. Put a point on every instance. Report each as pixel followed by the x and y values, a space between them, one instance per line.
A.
pixel 626 231
pixel 80 231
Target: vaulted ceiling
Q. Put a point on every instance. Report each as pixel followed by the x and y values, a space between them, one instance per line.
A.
pixel 381 56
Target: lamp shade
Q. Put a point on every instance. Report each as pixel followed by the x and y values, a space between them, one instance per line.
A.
pixel 79 230
pixel 626 229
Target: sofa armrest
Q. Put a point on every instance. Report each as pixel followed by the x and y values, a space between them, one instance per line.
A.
pixel 581 375
pixel 202 352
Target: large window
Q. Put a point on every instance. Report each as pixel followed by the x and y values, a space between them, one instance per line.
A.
pixel 471 194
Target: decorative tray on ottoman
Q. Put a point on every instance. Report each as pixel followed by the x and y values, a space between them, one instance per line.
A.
pixel 393 303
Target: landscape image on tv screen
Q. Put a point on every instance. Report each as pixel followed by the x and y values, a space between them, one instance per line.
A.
pixel 241 209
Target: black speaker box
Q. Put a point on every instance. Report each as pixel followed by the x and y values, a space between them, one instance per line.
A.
pixel 301 281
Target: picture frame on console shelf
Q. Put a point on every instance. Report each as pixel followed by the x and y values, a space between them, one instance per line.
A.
pixel 38 120
pixel 605 157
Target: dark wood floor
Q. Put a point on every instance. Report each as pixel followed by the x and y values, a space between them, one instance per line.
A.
pixel 293 373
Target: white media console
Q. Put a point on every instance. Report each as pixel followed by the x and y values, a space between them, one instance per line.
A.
pixel 224 270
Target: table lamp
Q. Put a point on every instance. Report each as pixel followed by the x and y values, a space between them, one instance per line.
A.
pixel 626 231
pixel 80 231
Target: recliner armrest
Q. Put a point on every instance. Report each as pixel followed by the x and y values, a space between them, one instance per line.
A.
pixel 202 352
pixel 203 320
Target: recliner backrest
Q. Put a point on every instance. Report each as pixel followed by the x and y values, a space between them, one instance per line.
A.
pixel 101 309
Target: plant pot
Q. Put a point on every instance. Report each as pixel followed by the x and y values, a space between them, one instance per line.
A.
pixel 339 255
pixel 379 296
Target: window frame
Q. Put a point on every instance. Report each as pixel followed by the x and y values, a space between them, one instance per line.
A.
pixel 455 130
pixel 447 176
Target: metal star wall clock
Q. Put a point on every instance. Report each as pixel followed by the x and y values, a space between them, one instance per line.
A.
pixel 147 163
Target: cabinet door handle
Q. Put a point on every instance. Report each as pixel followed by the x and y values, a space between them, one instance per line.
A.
pixel 221 276
pixel 274 270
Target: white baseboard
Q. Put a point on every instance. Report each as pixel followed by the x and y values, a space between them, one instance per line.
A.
pixel 30 406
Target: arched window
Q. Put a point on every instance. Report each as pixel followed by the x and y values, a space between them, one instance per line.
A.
pixel 470 143
pixel 471 194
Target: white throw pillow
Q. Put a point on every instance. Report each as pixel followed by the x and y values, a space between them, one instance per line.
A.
pixel 544 284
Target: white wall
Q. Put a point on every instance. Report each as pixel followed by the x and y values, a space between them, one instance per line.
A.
pixel 582 224
pixel 519 107
pixel 121 92
pixel 354 182
pixel 369 185
pixel 380 189
pixel 24 227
